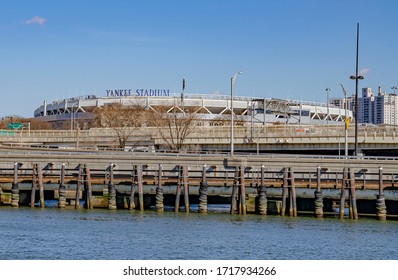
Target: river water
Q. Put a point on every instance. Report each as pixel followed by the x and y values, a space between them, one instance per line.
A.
pixel 69 234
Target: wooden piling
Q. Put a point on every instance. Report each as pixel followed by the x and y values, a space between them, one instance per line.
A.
pixel 293 192
pixel 15 188
pixel 78 186
pixel 62 189
pixel 34 186
pixel 353 200
pixel 111 189
pixel 290 200
pixel 41 186
pixel 178 190
pixel 342 194
pixel 132 187
pixel 261 200
pixel 203 192
pixel 186 188
pixel 159 192
pixel 242 204
pixel 284 191
pixel 88 187
pixel 318 203
pixel 381 183
pixel 234 192
pixel 140 188
pixel 336 184
pixel 381 202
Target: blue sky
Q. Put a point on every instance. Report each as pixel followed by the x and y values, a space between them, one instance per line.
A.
pixel 51 50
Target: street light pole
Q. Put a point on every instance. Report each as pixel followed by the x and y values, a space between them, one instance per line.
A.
pixel 345 122
pixel 356 78
pixel 327 104
pixel 232 112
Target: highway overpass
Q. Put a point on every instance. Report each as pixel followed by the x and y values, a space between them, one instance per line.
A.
pixel 302 139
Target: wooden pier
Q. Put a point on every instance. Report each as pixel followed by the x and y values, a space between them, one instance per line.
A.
pixel 268 184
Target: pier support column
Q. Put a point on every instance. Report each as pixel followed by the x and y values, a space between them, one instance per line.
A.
pixel 353 199
pixel 132 187
pixel 342 194
pixel 159 192
pixel 203 192
pixel 381 202
pixel 261 199
pixel 111 189
pixel 242 197
pixel 284 191
pixel 234 191
pixel 186 187
pixel 61 189
pixel 318 195
pixel 88 187
pixel 178 190
pixel 78 186
pixel 34 186
pixel 41 185
pixel 15 188
pixel 140 187
pixel 292 194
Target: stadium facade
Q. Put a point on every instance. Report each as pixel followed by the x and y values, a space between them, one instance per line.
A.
pixel 208 108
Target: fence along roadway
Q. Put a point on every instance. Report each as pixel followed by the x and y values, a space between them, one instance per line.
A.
pixel 269 137
pixel 101 159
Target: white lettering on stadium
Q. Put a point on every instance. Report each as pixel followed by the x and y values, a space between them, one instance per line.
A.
pixel 153 92
pixel 139 92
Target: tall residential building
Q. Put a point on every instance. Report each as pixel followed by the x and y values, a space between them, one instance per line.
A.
pixel 380 109
pixel 386 109
pixel 365 106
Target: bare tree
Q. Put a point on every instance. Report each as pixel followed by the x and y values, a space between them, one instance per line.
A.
pixel 123 120
pixel 225 120
pixel 175 125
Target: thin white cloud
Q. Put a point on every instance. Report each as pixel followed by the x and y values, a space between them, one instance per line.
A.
pixel 36 20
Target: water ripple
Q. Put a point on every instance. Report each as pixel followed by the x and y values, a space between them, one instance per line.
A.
pixel 53 233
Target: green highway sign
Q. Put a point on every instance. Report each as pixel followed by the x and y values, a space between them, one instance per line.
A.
pixel 15 126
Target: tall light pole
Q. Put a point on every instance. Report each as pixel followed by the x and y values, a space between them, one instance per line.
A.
pixel 346 121
pixel 182 96
pixel 232 112
pixel 327 104
pixel 356 78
